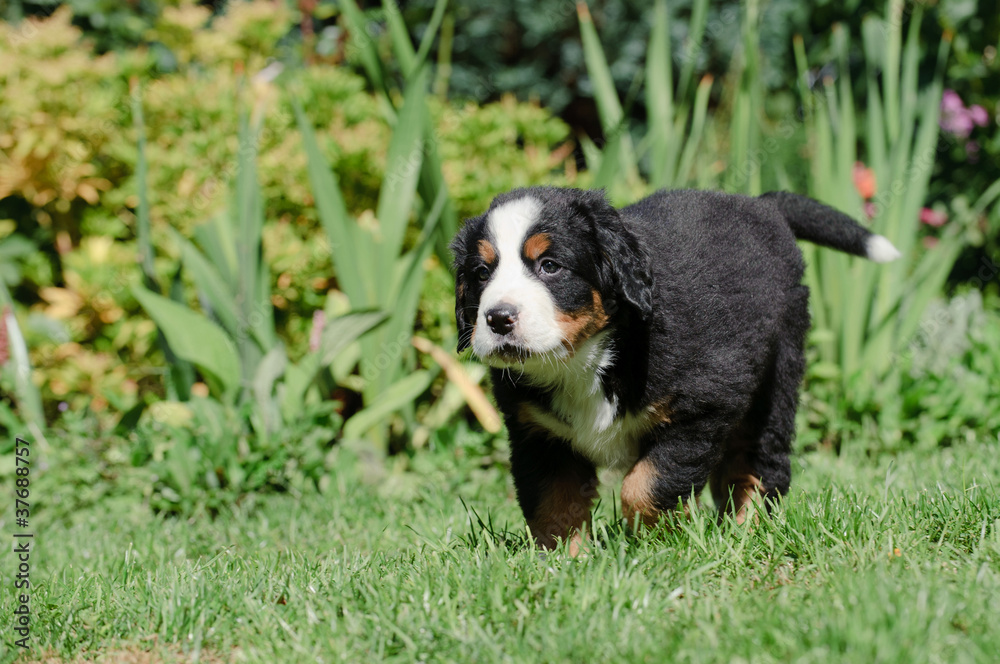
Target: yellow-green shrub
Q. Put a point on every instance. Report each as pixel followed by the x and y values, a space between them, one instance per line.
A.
pixel 69 152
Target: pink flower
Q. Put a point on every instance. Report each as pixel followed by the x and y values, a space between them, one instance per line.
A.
pixel 951 102
pixel 864 180
pixel 933 217
pixel 979 115
pixel 929 242
pixel 316 334
pixel 958 120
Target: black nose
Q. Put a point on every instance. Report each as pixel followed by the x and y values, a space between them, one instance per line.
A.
pixel 501 319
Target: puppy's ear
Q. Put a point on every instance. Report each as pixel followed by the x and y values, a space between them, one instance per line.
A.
pixel 459 250
pixel 623 265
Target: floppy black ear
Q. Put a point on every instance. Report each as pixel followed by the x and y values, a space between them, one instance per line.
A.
pixel 623 264
pixel 459 250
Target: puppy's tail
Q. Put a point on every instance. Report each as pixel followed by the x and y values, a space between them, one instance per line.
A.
pixel 811 220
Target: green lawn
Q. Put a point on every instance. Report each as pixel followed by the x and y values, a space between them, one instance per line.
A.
pixel 869 560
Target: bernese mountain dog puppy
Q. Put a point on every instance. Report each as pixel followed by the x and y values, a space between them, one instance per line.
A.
pixel 664 339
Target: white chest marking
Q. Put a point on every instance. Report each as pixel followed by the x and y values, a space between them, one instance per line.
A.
pixel 583 415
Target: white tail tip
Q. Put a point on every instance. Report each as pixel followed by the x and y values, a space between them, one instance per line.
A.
pixel 880 250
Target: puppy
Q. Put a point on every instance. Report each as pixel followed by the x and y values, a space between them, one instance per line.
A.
pixel 664 339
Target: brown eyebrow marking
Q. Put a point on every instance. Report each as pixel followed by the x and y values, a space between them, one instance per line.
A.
pixel 536 245
pixel 487 252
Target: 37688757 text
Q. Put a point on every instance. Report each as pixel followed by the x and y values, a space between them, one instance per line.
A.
pixel 22 548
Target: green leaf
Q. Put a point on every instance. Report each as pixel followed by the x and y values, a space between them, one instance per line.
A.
pixel 399 394
pixel 194 338
pixel 659 97
pixel 142 212
pixel 270 369
pixel 609 107
pixel 29 398
pixel 427 40
pixel 344 330
pixel 400 36
pixel 347 244
pixel 217 239
pixel 211 285
pixel 364 45
pixel 254 302
pixel 399 188
pixel 338 335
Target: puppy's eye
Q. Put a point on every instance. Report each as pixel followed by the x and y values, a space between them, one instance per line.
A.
pixel 482 273
pixel 549 266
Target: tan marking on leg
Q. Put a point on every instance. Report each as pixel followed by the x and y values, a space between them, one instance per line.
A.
pixel 487 252
pixel 661 411
pixel 748 491
pixel 536 245
pixel 564 511
pixel 638 497
pixel 734 487
pixel 578 326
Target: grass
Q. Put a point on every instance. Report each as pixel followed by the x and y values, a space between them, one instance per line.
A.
pixel 891 559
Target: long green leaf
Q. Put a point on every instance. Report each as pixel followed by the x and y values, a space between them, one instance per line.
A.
pixel 609 107
pixel 347 243
pixel 212 286
pixel 430 33
pixel 253 290
pixel 29 399
pixel 143 233
pixel 345 330
pixel 269 370
pixel 365 46
pixel 194 338
pixel 692 47
pixel 401 393
pixel 659 97
pixel 693 140
pixel 399 188
pixel 400 36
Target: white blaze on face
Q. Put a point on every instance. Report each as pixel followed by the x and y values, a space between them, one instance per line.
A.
pixel 511 283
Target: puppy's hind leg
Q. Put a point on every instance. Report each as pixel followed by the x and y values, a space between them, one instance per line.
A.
pixel 756 468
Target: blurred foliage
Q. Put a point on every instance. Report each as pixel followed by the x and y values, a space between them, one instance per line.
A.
pixel 949 390
pixel 69 195
pixel 67 174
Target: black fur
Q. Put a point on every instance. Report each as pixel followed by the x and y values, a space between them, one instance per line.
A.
pixel 706 314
